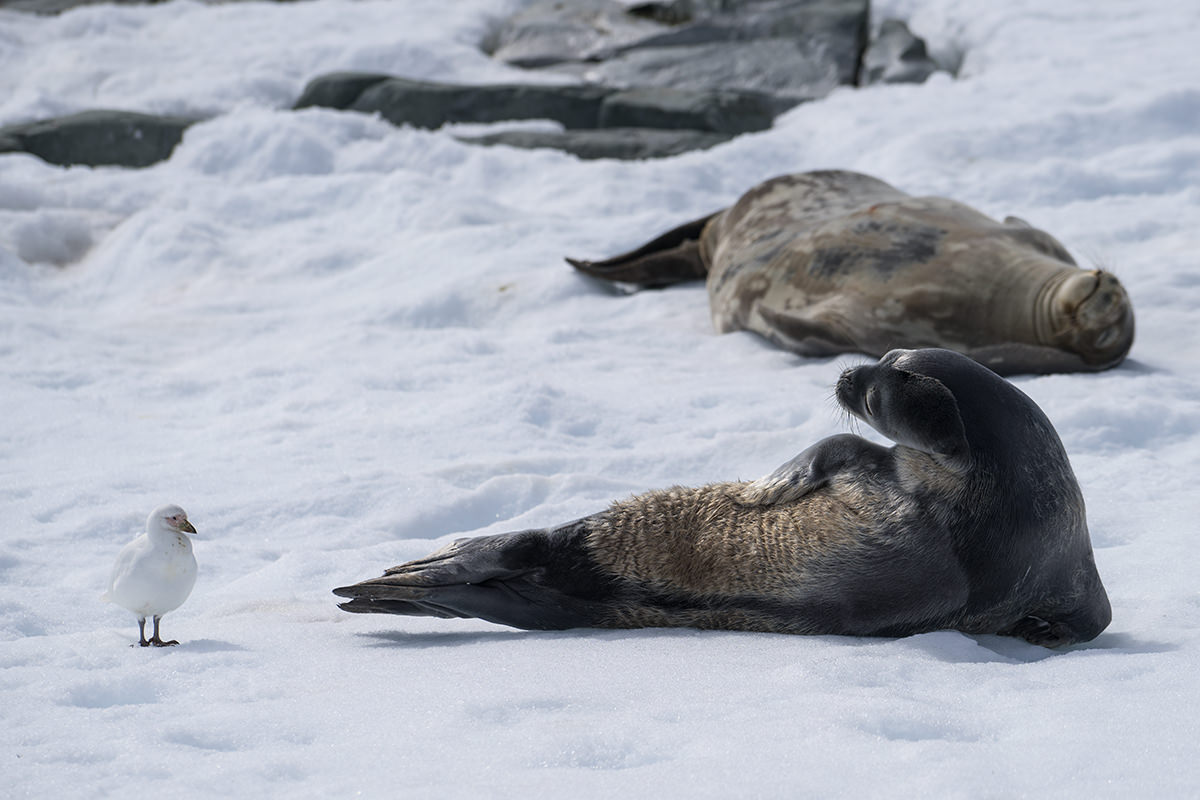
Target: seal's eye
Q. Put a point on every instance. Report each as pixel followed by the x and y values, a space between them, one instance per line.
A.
pixel 870 401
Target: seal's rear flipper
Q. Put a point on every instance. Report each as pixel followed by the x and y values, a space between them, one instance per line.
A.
pixel 673 257
pixel 537 580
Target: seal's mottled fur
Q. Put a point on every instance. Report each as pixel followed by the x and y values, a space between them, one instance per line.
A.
pixel 973 521
pixel 833 262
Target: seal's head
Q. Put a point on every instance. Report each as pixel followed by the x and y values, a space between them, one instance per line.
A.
pixel 898 398
pixel 1087 312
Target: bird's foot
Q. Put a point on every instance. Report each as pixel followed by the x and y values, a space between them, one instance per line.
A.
pixel 157 642
pixel 141 643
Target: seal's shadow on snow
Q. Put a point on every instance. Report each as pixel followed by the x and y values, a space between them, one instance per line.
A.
pixel 426 639
pixel 1124 643
pixel 949 646
pixel 1015 650
pixel 1137 367
pixel 461 638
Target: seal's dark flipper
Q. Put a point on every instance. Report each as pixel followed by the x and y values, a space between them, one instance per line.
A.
pixel 814 331
pixel 1036 630
pixel 671 258
pixel 1011 358
pixel 815 468
pixel 537 580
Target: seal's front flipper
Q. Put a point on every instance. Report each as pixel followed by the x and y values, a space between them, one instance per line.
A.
pixel 814 468
pixel 537 580
pixel 1036 630
pixel 1012 358
pixel 673 257
pixel 815 331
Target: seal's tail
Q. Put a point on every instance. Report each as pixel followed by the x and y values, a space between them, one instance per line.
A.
pixel 673 257
pixel 537 580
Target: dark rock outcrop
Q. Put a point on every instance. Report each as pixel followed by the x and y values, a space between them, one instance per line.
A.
pixel 713 66
pixel 623 143
pixel 798 49
pixel 423 104
pixel 714 110
pixel 48 7
pixel 550 32
pixel 653 79
pixel 896 56
pixel 338 89
pixel 647 80
pixel 431 105
pixel 98 138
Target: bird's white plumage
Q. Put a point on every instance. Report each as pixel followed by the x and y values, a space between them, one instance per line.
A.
pixel 155 572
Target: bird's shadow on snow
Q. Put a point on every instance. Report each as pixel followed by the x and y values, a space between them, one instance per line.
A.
pixel 212 646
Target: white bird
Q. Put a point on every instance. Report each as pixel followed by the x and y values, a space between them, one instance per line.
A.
pixel 155 572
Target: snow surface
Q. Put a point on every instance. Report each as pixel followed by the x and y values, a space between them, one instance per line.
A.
pixel 339 344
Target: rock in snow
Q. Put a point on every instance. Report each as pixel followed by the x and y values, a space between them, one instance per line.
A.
pixel 896 56
pixel 678 70
pixel 97 138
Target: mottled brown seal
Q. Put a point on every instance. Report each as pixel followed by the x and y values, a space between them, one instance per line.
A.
pixel 972 521
pixel 833 262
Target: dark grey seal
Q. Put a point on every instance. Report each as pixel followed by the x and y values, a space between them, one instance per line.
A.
pixel 973 521
pixel 832 262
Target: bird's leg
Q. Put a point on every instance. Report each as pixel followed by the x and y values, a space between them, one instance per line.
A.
pixel 154 640
pixel 142 632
